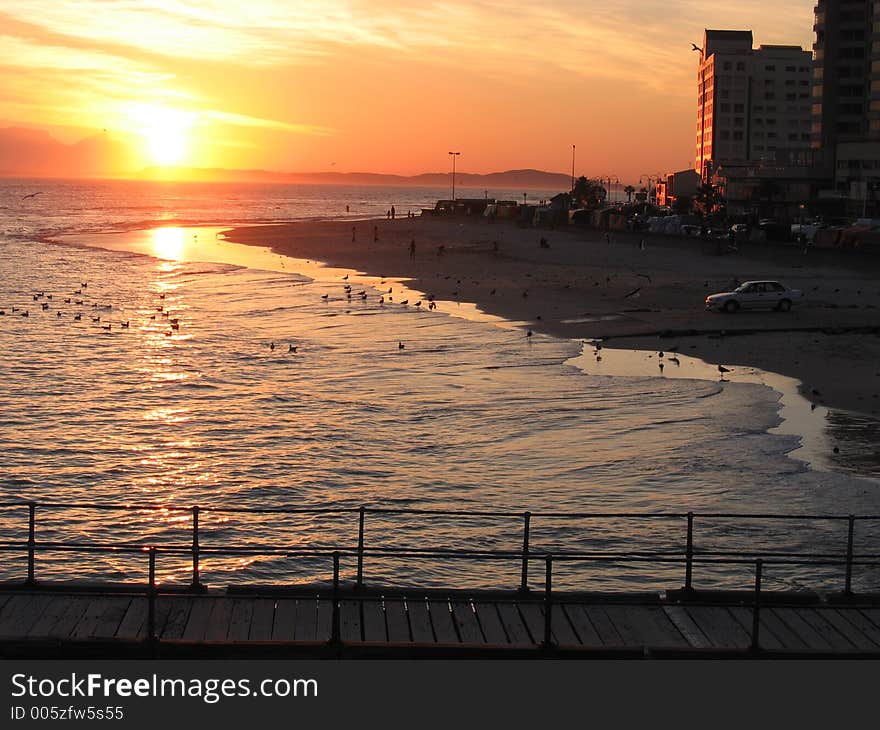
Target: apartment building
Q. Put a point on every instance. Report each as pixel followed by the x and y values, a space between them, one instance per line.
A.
pixel 753 104
pixel 846 93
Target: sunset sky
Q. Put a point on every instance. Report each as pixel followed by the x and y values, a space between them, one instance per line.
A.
pixel 373 85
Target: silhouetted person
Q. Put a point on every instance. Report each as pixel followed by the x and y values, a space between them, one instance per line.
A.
pixel 346 209
pixel 375 234
pixel 392 212
pixel 412 249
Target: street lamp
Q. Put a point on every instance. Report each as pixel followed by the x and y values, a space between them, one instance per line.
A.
pixel 454 155
pixel 651 179
pixel 572 168
pixel 609 179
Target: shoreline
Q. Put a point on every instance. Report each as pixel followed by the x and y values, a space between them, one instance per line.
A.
pixel 579 286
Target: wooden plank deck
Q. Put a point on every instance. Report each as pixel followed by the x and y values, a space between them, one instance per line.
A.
pixel 468 623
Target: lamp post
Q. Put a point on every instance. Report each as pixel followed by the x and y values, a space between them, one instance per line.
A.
pixel 651 179
pixel 609 179
pixel 454 155
pixel 572 168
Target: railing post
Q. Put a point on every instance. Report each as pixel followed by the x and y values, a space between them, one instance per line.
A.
pixel 32 544
pixel 151 600
pixel 689 554
pixel 524 583
pixel 756 610
pixel 196 583
pixel 360 568
pixel 334 636
pixel 548 601
pixel 849 554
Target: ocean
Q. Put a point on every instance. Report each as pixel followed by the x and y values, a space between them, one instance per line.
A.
pixel 379 405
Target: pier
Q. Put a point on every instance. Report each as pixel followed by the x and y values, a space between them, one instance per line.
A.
pixel 346 615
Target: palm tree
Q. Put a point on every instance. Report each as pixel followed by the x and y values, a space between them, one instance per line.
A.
pixel 629 190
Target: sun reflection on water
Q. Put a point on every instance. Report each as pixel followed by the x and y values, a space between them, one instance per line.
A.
pixel 169 243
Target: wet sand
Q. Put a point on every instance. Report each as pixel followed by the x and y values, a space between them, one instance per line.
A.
pixel 651 298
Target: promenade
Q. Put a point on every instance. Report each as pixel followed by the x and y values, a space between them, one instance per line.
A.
pixel 68 623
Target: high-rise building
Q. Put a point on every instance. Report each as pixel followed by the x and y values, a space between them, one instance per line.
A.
pixel 846 92
pixel 753 105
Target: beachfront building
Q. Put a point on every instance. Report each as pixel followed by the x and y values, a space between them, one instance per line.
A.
pixel 677 187
pixel 846 98
pixel 753 105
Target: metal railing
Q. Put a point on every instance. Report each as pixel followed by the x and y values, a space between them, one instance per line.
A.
pixel 689 556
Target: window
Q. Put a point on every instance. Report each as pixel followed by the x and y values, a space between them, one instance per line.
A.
pixel 725 135
pixel 769 95
pixel 727 66
pixel 737 121
pixel 737 135
pixel 737 108
pixel 769 68
pixel 740 66
pixel 725 107
pixel 790 69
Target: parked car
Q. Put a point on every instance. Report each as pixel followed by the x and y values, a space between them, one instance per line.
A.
pixel 755 295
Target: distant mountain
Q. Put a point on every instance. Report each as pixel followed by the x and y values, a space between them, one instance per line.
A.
pixel 35 153
pixel 515 179
pixel 32 152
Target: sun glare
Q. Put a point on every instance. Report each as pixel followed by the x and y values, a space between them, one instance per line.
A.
pixel 168 243
pixel 165 132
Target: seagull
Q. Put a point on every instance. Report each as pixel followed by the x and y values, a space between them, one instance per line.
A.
pixel 722 370
pixel 695 47
pixel 77 317
pixel 31 195
pixel 529 333
pixel 271 345
pixel 291 348
pixel 675 360
pixel 124 325
pixel 400 345
pixel 325 296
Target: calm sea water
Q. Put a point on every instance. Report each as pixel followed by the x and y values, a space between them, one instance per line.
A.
pixel 467 416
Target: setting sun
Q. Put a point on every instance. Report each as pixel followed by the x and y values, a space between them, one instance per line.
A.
pixel 165 132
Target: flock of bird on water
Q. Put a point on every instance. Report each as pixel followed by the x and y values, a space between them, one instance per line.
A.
pixel 174 322
pixel 48 300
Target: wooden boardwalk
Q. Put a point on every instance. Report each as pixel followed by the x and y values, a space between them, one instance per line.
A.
pixel 52 622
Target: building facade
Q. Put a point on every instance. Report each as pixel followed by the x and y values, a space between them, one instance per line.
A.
pixel 753 105
pixel 846 94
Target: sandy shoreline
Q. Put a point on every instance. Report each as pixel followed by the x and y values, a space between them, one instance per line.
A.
pixel 578 286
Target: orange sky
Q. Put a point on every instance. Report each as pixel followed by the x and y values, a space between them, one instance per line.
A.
pixel 374 85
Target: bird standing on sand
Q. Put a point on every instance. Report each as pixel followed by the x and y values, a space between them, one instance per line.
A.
pixel 291 348
pixel 400 345
pixel 272 346
pixel 722 370
pixel 529 333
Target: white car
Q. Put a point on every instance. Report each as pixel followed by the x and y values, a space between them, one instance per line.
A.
pixel 755 295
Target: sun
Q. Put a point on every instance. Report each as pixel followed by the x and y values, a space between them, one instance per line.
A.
pixel 165 132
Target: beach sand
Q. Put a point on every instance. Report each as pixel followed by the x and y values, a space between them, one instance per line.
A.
pixel 581 286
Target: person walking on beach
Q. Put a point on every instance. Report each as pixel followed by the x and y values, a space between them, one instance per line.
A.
pixel 392 212
pixel 412 249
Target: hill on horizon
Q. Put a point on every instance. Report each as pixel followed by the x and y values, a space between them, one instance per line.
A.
pixel 36 153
